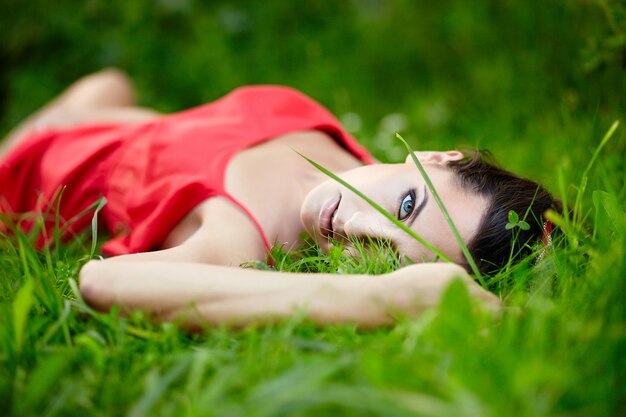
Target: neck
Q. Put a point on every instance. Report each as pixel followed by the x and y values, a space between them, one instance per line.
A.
pixel 312 178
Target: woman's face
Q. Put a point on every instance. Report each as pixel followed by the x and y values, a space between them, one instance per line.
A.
pixel 331 210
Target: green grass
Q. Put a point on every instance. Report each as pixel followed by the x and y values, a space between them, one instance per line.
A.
pixel 539 83
pixel 557 349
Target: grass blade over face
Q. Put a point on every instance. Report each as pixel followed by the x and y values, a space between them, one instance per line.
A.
pixel 381 210
pixel 444 211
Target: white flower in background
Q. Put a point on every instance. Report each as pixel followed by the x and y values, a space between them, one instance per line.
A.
pixel 393 123
pixel 352 122
pixel 436 114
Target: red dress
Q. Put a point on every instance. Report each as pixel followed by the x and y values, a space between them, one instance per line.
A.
pixel 152 174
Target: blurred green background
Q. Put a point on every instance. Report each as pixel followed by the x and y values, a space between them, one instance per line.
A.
pixel 536 81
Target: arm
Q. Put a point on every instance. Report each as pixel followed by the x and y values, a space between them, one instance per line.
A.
pixel 222 235
pixel 198 294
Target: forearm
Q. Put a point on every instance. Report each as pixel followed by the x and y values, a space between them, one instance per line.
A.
pixel 197 294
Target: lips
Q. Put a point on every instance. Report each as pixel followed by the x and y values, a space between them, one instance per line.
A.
pixel 326 216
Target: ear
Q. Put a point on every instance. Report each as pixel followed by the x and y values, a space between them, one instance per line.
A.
pixel 436 157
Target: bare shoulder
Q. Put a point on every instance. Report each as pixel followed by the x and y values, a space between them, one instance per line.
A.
pixel 218 232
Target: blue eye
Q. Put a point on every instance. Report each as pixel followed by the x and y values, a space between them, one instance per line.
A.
pixel 406 206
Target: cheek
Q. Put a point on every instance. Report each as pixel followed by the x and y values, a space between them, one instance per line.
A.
pixel 415 251
pixel 432 227
pixel 466 214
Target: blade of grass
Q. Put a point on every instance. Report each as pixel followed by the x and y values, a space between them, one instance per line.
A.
pixel 95 206
pixel 444 211
pixel 94 226
pixel 21 306
pixel 585 176
pixel 381 210
pixel 57 217
pixel 54 328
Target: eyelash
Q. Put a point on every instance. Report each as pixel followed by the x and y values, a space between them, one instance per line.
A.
pixel 411 193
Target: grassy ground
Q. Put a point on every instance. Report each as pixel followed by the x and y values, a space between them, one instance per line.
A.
pixel 539 83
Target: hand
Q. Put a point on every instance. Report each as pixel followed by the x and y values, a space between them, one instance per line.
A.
pixel 426 283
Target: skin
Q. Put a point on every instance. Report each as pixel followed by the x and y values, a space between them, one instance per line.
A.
pixel 390 185
pixel 194 279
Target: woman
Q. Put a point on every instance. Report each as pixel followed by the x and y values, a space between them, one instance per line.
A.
pixel 192 194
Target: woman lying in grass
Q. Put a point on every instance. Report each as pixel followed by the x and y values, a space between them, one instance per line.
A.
pixel 192 195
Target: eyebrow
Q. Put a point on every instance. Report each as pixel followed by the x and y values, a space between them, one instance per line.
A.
pixel 419 208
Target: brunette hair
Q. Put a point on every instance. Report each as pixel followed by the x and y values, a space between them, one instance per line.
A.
pixel 491 248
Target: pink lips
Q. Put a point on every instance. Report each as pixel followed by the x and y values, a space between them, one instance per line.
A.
pixel 326 217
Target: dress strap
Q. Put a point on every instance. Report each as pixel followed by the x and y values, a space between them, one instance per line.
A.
pixel 252 218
